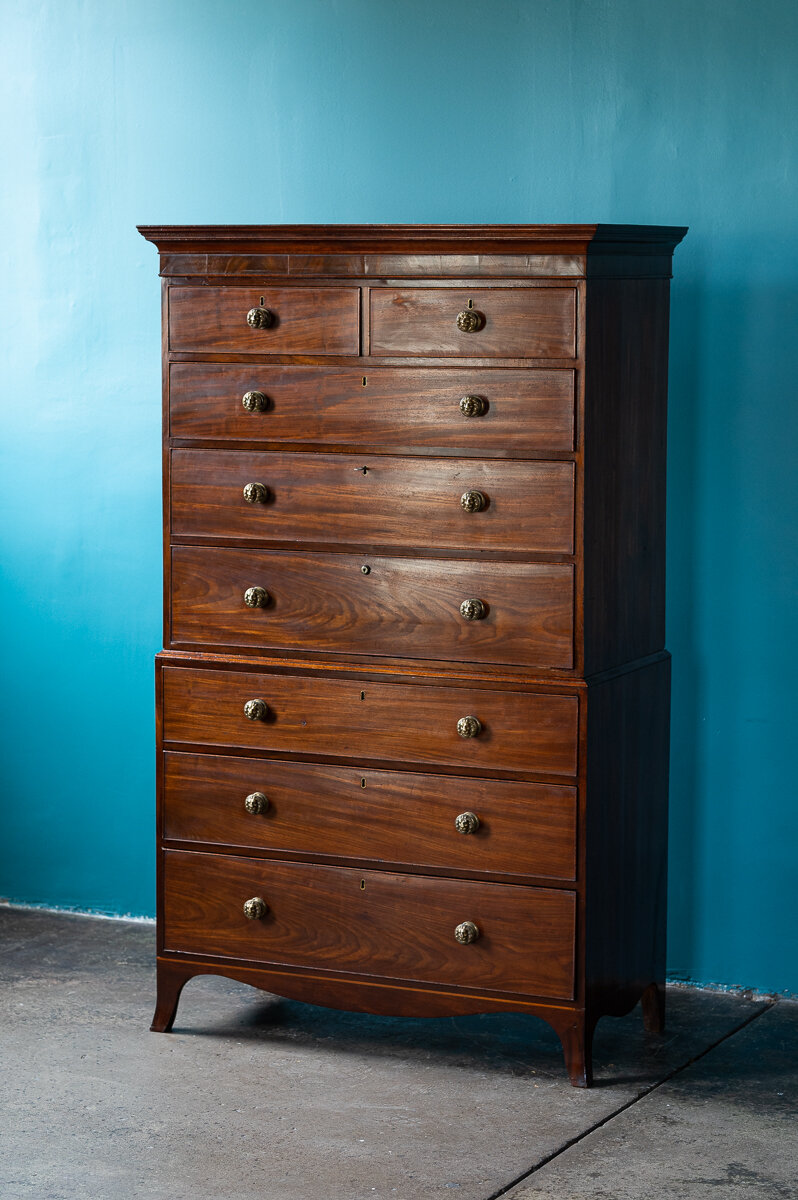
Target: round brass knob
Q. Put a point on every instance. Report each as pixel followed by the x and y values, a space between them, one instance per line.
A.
pixel 256 710
pixel 255 401
pixel 465 934
pixel 473 610
pixel 473 501
pixel 256 493
pixel 469 727
pixel 256 908
pixel 260 318
pixel 467 822
pixel 256 803
pixel 472 406
pixel 469 320
pixel 256 597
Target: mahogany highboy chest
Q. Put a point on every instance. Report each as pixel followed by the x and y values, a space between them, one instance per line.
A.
pixel 413 702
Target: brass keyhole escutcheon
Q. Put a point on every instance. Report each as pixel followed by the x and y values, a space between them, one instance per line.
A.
pixel 362 885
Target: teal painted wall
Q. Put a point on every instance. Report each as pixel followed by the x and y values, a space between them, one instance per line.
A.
pixel 165 111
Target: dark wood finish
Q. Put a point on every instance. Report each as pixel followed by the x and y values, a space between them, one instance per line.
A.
pixel 624 480
pixel 331 499
pixel 518 322
pixel 366 675
pixel 365 816
pixel 390 722
pixel 325 601
pixel 372 922
pixel 306 320
pixel 626 837
pixel 410 410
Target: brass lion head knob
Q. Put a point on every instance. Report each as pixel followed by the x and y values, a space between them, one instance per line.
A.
pixel 255 908
pixel 260 318
pixel 469 727
pixel 255 401
pixel 473 406
pixel 469 320
pixel 473 501
pixel 256 597
pixel 467 822
pixel 473 610
pixel 256 493
pixel 256 803
pixel 466 933
pixel 256 710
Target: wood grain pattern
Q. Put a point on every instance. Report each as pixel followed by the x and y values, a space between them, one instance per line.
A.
pixel 324 601
pixel 386 501
pixel 518 322
pixel 375 922
pixel 396 722
pixel 390 817
pixel 412 409
pixel 322 320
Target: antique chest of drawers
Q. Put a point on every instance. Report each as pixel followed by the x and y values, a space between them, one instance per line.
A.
pixel 413 702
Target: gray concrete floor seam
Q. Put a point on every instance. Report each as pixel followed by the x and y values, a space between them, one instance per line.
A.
pixel 607 1120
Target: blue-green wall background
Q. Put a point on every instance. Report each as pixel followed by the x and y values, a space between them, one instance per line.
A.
pixel 165 111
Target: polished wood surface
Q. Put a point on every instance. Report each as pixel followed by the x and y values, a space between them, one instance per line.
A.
pixel 372 922
pixel 306 320
pixel 412 410
pixel 365 673
pixel 324 601
pixel 394 722
pixel 518 322
pixel 380 501
pixel 395 817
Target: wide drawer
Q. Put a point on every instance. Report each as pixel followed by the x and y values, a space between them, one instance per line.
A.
pixel 341 603
pixel 515 410
pixel 312 320
pixel 372 923
pixel 516 322
pixel 362 719
pixel 377 501
pixel 397 817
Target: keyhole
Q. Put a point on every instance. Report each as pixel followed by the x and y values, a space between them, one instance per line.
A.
pixel 362 695
pixel 470 303
pixel 362 783
pixel 365 470
pixel 362 885
pixel 363 381
pixel 261 302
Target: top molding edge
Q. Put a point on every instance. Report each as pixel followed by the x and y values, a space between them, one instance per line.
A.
pixel 418 239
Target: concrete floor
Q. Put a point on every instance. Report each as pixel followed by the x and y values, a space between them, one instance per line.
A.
pixel 255 1098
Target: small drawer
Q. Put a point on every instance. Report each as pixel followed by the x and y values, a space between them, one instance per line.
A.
pixel 507 322
pixel 394 817
pixel 312 320
pixel 458 610
pixel 381 500
pixel 325 715
pixel 483 411
pixel 372 923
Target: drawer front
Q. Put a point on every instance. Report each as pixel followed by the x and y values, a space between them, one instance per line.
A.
pixel 313 320
pixel 341 603
pixel 419 408
pixel 350 718
pixel 384 816
pixel 372 923
pixel 383 501
pixel 516 322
